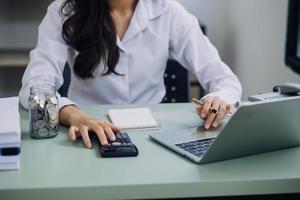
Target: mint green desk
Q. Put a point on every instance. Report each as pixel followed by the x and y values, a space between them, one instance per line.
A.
pixel 59 169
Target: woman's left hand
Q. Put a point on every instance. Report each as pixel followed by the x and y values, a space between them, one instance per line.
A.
pixel 213 110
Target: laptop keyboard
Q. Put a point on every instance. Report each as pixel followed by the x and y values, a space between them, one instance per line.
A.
pixel 197 147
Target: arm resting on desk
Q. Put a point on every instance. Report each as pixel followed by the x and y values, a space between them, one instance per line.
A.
pixel 80 125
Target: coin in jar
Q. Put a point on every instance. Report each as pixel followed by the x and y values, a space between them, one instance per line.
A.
pixel 40 124
pixel 43 132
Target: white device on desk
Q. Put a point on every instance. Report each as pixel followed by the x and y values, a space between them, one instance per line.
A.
pixel 255 128
pixel 286 91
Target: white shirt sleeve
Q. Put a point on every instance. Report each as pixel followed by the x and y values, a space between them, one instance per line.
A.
pixel 48 59
pixel 194 51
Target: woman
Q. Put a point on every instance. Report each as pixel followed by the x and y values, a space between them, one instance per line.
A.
pixel 118 51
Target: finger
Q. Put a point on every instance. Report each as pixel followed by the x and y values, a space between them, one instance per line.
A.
pixel 108 130
pixel 114 128
pixel 199 110
pixel 98 129
pixel 84 130
pixel 211 117
pixel 206 106
pixel 230 108
pixel 109 133
pixel 216 104
pixel 220 115
pixel 73 130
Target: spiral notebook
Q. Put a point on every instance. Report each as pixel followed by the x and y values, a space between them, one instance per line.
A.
pixel 134 118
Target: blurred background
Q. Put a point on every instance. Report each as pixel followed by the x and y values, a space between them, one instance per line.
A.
pixel 250 36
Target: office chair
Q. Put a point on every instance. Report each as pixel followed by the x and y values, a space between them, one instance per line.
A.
pixel 63 90
pixel 177 83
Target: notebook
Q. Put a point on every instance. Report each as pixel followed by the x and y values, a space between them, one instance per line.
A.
pixel 134 118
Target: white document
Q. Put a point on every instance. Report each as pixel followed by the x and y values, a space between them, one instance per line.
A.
pixel 10 165
pixel 10 131
pixel 136 118
pixel 9 159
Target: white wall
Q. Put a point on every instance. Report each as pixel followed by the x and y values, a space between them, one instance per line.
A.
pixel 19 20
pixel 212 13
pixel 250 36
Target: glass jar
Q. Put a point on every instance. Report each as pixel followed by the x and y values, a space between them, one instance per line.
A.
pixel 43 112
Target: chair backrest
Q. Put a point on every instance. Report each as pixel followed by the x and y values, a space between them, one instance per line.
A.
pixel 176 80
pixel 63 90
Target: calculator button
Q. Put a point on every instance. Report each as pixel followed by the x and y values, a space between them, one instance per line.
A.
pixel 116 143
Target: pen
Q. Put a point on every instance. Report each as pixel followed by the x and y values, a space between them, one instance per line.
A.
pixel 200 102
pixel 197 101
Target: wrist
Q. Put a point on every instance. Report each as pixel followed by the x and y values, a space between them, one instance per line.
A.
pixel 71 115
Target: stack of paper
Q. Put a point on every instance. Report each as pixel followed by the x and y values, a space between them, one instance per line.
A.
pixel 137 118
pixel 10 133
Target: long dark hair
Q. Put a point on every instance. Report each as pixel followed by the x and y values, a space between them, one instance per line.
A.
pixel 88 28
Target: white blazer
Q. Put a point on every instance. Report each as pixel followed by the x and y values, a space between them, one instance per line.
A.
pixel 159 29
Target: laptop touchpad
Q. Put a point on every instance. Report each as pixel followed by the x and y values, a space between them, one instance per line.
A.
pixel 190 134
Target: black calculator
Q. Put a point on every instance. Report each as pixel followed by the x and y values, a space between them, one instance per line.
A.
pixel 121 147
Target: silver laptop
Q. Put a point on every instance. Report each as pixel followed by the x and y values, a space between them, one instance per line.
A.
pixel 254 128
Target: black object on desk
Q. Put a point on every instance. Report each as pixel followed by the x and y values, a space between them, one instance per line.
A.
pixel 121 147
pixel 10 151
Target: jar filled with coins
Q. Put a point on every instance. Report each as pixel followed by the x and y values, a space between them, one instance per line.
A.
pixel 43 112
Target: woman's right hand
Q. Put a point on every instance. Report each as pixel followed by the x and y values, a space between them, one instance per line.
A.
pixel 81 124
